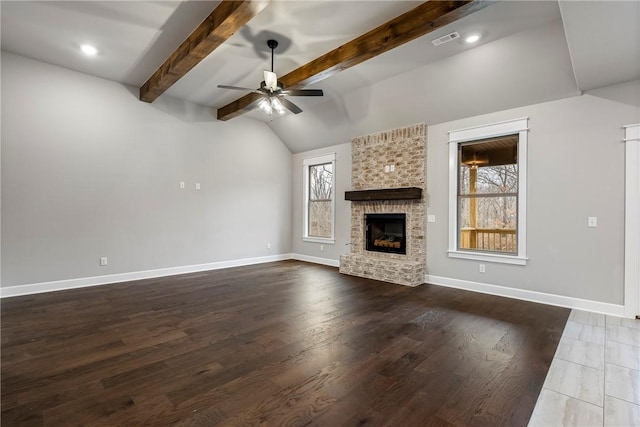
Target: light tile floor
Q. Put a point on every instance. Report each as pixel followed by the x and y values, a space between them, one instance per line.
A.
pixel 594 378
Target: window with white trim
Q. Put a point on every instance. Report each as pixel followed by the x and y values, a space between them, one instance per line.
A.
pixel 487 192
pixel 319 198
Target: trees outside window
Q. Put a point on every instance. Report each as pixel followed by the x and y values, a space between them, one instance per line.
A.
pixel 319 198
pixel 488 195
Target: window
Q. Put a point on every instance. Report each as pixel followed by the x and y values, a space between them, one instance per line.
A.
pixel 488 195
pixel 319 192
pixel 487 192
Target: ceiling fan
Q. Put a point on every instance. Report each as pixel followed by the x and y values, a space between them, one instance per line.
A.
pixel 273 92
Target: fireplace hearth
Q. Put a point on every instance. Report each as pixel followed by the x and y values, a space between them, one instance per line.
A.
pixel 386 233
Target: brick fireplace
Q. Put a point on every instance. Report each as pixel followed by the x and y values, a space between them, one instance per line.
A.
pixel 392 164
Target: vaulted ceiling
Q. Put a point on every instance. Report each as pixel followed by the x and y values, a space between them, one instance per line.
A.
pixel 529 52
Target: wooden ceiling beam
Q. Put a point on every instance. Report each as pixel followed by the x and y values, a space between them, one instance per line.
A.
pixel 227 18
pixel 415 23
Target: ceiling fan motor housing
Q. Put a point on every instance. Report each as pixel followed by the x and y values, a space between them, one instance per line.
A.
pixel 263 86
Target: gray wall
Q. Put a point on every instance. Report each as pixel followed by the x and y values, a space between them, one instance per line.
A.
pixel 342 208
pixel 576 170
pixel 90 171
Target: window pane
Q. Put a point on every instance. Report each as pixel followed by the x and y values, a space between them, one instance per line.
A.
pixel 488 223
pixel 320 219
pixel 489 166
pixel 321 182
pixel 489 180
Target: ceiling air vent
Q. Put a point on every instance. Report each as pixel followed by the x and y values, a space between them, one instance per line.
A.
pixel 447 38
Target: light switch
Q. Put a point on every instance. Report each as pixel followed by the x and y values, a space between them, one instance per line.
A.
pixel 386 168
pixel 197 185
pixel 592 221
pixel 181 184
pixel 431 218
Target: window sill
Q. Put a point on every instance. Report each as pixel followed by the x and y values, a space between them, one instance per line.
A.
pixel 324 240
pixel 486 257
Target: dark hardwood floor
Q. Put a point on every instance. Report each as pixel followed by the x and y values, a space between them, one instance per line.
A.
pixel 281 344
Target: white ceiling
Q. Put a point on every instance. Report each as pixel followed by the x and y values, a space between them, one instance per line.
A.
pixel 530 51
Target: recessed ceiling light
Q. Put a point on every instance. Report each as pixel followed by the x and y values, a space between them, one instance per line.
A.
pixel 89 50
pixel 472 38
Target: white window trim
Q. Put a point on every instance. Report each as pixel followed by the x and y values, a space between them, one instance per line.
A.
pixel 519 126
pixel 327 158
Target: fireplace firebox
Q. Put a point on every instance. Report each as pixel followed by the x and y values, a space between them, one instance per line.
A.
pixel 386 233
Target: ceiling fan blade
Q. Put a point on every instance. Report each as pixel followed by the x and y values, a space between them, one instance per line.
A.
pixel 304 92
pixel 270 80
pixel 290 105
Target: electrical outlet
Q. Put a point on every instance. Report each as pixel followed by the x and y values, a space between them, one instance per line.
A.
pixel 322 247
pixel 103 261
pixel 431 218
pixel 482 268
pixel 592 221
pixel 268 245
pixel 392 168
pixel 197 185
pixel 386 168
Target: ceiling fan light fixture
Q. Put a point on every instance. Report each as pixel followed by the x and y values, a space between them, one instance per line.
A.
pixel 277 105
pixel 265 106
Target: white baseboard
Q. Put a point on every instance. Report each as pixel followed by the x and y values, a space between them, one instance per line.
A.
pixel 58 285
pixel 521 294
pixel 532 296
pixel 316 260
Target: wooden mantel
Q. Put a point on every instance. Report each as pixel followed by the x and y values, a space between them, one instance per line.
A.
pixel 407 193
